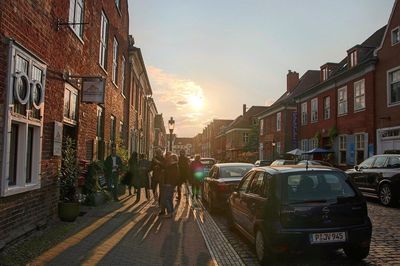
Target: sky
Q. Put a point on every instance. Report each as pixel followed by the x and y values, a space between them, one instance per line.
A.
pixel 206 58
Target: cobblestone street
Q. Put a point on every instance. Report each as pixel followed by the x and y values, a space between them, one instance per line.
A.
pixel 384 246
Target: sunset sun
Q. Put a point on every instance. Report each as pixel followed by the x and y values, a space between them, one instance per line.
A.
pixel 195 101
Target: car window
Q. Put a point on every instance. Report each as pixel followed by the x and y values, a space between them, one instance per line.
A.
pixel 317 186
pixel 245 182
pixel 380 162
pixel 367 163
pixel 257 185
pixel 234 171
pixel 393 162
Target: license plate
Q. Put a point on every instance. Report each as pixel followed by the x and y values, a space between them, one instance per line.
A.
pixel 331 237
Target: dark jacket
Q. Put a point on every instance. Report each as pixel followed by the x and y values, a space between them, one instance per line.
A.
pixel 171 174
pixel 143 175
pixel 133 172
pixel 108 167
pixel 157 166
pixel 197 171
pixel 184 169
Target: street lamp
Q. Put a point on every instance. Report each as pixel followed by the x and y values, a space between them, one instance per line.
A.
pixel 273 150
pixel 171 125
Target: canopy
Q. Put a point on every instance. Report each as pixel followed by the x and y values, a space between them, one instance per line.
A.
pixel 296 152
pixel 317 150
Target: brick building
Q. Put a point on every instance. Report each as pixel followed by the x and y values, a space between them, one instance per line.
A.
pixel 278 124
pixel 209 140
pixel 338 112
pixel 387 86
pixel 45 62
pixel 159 132
pixel 185 144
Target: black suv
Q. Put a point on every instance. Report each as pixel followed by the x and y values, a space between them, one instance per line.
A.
pixel 379 175
pixel 296 208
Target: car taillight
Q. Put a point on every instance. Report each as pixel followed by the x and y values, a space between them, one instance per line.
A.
pixel 222 187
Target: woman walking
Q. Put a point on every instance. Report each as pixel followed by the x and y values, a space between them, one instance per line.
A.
pixel 197 169
pixel 170 181
pixel 133 172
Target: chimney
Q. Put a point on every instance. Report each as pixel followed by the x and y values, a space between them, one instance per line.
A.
pixel 292 80
pixel 244 109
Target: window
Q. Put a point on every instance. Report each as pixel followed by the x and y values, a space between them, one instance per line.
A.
pixel 245 181
pixel 304 144
pixel 360 148
pixel 112 129
pixel 76 17
pixel 118 4
pixel 115 62
pixel 359 95
pixel 70 104
pixel 314 110
pixel 325 73
pixel 304 113
pixel 278 147
pixel 327 107
pixel 100 133
pixel 262 127
pixel 245 137
pixel 123 76
pixel 342 149
pixel 121 130
pixel 367 163
pixel 313 143
pixel 353 58
pixel 342 101
pixel 394 162
pixel 24 123
pixel 278 121
pixel 396 36
pixel 258 185
pixel 394 87
pixel 380 162
pixel 103 41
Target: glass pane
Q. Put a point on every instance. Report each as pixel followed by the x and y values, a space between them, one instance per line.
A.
pixel 21 65
pixel 67 94
pixel 394 162
pixel 74 106
pixel 29 155
pixel 367 163
pixel 13 158
pixel 395 92
pixel 380 162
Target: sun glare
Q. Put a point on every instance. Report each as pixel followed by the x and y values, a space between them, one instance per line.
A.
pixel 196 102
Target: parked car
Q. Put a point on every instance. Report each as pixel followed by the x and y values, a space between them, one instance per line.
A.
pixel 262 163
pixel 291 208
pixel 379 176
pixel 208 163
pixel 283 162
pixel 221 181
pixel 314 162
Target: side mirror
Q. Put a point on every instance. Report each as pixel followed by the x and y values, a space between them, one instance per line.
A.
pixel 356 168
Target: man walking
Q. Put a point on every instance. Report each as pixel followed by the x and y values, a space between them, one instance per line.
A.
pixel 184 172
pixel 157 168
pixel 112 170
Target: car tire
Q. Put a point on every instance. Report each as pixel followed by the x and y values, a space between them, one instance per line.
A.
pixel 385 195
pixel 262 252
pixel 356 253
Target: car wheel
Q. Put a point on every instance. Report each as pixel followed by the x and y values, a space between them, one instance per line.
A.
pixel 385 195
pixel 356 252
pixel 261 247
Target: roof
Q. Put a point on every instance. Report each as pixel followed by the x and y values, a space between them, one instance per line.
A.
pixel 233 164
pixel 283 169
pixel 245 121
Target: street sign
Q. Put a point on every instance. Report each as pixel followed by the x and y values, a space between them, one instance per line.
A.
pixel 93 89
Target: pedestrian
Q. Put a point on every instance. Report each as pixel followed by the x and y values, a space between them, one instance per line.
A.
pixel 197 175
pixel 184 172
pixel 170 181
pixel 157 169
pixel 133 171
pixel 142 181
pixel 112 170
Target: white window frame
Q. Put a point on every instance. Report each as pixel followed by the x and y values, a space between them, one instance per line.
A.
pixel 353 58
pixel 123 61
pixel 314 110
pixel 304 144
pixel 24 122
pixel 327 107
pixel 261 127
pixel 278 121
pixel 118 4
pixel 115 62
pixel 359 93
pixel 342 148
pixel 360 140
pixel 278 147
pixel 245 137
pixel 389 88
pixel 304 113
pixel 76 18
pixel 103 41
pixel 395 36
pixel 342 102
pixel 325 74
pixel 121 130
pixel 68 119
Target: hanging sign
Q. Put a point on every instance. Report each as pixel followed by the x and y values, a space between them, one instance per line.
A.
pixel 93 89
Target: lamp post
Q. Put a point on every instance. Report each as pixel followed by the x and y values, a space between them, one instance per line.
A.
pixel 171 125
pixel 273 150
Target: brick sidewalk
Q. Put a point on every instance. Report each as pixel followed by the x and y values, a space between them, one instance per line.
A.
pixel 129 233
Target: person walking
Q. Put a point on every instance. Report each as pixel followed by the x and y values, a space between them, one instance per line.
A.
pixel 133 171
pixel 112 170
pixel 197 175
pixel 184 172
pixel 143 177
pixel 170 181
pixel 157 169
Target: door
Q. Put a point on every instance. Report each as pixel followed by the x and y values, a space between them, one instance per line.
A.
pixel 237 200
pixel 375 174
pixel 208 180
pixel 359 177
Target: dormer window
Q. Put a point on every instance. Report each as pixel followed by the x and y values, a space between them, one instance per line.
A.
pixel 353 58
pixel 325 73
pixel 396 36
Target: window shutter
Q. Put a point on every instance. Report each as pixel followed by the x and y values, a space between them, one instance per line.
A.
pixel 350 147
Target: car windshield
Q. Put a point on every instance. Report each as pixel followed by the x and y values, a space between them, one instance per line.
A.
pixel 207 163
pixel 234 171
pixel 316 187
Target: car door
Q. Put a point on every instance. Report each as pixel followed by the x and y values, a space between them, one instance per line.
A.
pixel 254 201
pixel 237 200
pixel 208 180
pixel 359 176
pixel 375 174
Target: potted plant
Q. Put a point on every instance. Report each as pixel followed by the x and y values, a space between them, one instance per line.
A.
pixel 68 207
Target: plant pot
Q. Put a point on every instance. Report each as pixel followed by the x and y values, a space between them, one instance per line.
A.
pixel 68 211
